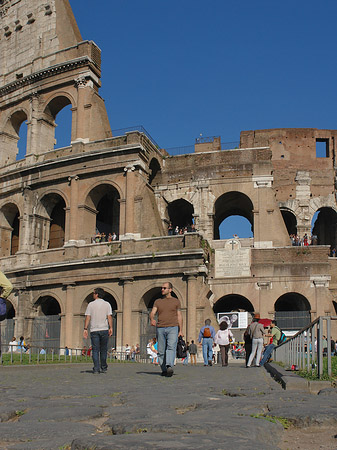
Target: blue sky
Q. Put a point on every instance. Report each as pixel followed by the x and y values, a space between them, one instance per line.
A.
pixel 216 67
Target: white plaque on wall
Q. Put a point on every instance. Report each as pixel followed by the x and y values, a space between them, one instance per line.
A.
pixel 232 261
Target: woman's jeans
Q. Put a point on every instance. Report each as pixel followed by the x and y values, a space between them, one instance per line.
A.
pixel 99 342
pixel 257 347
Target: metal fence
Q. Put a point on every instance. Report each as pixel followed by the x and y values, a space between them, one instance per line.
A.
pixel 16 355
pixel 307 349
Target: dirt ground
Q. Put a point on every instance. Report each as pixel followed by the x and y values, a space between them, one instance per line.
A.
pixel 315 438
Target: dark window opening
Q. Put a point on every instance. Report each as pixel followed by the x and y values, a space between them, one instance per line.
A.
pixel 57 226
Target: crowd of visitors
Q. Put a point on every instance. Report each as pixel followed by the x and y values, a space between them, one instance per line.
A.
pixel 304 241
pixel 102 237
pixel 181 230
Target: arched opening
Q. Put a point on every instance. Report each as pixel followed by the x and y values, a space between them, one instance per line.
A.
pixel 180 213
pixel 63 127
pixel 241 306
pixel 290 221
pixel 57 225
pixel 233 204
pixel 110 299
pixel 292 311
pixel 14 138
pixel 50 123
pixel 154 171
pixel 46 327
pixel 22 143
pixel 10 229
pixel 147 331
pixel 324 227
pixel 233 302
pixel 51 223
pixel 105 200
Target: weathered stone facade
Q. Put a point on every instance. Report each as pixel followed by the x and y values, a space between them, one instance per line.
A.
pixel 53 201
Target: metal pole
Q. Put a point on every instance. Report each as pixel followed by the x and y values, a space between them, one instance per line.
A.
pixel 328 335
pixel 320 347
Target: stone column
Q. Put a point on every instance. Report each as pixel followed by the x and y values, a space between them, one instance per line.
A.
pixel 127 310
pixel 81 130
pixel 25 225
pixel 33 126
pixel 192 292
pixel 130 195
pixel 69 316
pixel 72 217
pixel 20 313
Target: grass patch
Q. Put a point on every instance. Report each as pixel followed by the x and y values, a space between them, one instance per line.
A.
pixel 312 375
pixel 274 419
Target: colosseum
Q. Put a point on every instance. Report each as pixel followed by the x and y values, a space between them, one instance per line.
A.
pixel 56 203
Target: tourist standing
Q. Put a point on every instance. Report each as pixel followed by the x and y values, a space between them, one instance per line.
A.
pixel 99 315
pixel 223 338
pixel 193 350
pixel 206 335
pixel 169 327
pixel 256 332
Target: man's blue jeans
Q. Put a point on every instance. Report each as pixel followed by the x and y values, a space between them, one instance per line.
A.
pixel 99 342
pixel 167 338
pixel 267 352
pixel 207 350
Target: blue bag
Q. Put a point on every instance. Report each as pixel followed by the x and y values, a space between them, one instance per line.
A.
pixel 3 309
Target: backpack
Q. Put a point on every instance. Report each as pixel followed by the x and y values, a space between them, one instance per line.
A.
pixel 207 333
pixel 3 309
pixel 181 348
pixel 283 337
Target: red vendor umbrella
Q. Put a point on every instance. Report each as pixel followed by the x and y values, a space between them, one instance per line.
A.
pixel 265 322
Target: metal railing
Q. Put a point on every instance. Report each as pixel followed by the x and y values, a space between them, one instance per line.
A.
pixel 307 348
pixel 16 355
pixel 140 128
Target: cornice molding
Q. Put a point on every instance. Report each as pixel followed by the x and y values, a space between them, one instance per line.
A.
pixel 45 73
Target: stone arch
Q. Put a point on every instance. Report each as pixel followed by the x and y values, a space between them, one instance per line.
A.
pixel 325 226
pixel 10 309
pixel 292 311
pixel 51 221
pixel 154 171
pixel 11 134
pixel 232 203
pixel 10 229
pixel 233 302
pixel 180 213
pixel 290 220
pixel 48 123
pixel 103 209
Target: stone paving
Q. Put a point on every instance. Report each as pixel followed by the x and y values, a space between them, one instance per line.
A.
pixel 67 407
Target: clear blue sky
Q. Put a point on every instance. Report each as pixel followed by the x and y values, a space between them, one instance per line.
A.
pixel 216 67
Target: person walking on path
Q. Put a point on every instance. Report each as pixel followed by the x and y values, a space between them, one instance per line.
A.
pixel 207 334
pixel 223 338
pixel 276 335
pixel 256 331
pixel 193 350
pixel 169 326
pixel 99 315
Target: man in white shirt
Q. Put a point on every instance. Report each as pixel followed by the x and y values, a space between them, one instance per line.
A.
pixel 99 315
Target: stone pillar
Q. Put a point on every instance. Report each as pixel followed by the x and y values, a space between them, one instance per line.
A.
pixel 33 126
pixel 20 313
pixel 68 338
pixel 130 195
pixel 127 310
pixel 192 292
pixel 25 224
pixel 82 132
pixel 72 217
